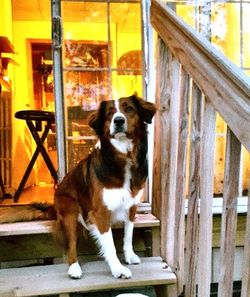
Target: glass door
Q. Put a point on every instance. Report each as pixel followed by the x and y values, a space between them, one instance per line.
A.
pixel 99 57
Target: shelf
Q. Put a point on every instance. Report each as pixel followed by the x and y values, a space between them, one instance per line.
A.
pixel 4 83
pixel 6 46
pixel 6 61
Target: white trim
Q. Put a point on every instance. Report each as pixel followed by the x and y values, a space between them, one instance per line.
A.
pixel 218 205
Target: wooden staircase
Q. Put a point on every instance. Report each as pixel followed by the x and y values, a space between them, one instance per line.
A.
pixel 19 239
pixel 53 279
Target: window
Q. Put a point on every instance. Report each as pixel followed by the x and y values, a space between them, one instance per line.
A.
pixel 102 54
pixel 102 59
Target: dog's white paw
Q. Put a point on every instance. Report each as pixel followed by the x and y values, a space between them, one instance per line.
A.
pixel 121 271
pixel 132 258
pixel 75 270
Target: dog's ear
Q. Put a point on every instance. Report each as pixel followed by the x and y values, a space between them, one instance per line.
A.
pixel 146 109
pixel 95 120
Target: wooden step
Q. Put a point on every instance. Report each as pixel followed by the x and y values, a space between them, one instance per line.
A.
pixel 32 241
pixel 41 227
pixel 53 279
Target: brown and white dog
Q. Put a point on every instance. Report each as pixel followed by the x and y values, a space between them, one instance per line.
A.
pixel 106 186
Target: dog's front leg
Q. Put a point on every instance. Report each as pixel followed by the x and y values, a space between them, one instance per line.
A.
pixel 107 249
pixel 130 256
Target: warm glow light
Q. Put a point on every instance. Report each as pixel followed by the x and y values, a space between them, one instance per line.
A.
pixel 6 78
pixel 68 35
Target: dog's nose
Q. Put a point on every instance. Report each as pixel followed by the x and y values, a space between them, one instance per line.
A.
pixel 119 121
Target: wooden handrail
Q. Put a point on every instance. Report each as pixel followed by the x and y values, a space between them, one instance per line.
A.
pixel 193 82
pixel 221 81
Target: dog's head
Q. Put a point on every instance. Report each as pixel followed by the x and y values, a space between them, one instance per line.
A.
pixel 122 117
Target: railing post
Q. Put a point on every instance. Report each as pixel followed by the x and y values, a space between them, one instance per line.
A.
pixel 245 289
pixel 206 201
pixel 193 192
pixel 229 214
pixel 181 180
pixel 166 153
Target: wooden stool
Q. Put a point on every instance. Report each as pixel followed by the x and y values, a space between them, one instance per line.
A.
pixel 37 117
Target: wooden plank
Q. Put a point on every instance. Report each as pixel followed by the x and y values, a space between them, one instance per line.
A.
pixel 173 79
pixel 156 242
pixel 193 192
pixel 220 149
pixel 42 246
pixel 64 295
pixel 181 180
pixel 162 146
pixel 25 228
pixel 245 289
pixel 166 290
pixel 53 279
pixel 166 133
pixel 206 201
pixel 226 87
pixel 229 214
pixel 240 234
pixel 43 227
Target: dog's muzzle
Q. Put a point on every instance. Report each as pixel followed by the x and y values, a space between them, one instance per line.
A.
pixel 119 125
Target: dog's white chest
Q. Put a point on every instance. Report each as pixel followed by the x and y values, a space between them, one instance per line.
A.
pixel 120 200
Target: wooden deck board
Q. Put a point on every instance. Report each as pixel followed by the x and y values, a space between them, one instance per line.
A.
pixel 41 227
pixel 53 279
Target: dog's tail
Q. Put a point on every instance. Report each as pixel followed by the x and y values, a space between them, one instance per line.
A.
pixel 21 213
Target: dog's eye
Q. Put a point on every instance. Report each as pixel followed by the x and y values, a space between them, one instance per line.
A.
pixel 129 109
pixel 110 113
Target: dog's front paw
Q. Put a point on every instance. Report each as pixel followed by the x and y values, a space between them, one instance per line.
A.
pixel 75 271
pixel 132 258
pixel 121 272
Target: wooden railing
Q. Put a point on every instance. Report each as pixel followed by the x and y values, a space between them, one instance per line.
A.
pixel 194 81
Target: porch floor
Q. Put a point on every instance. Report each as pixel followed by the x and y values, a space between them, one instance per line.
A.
pixel 41 194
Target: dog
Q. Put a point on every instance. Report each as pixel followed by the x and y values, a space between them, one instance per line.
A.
pixel 107 185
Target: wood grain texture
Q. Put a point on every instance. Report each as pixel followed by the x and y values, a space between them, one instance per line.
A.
pixel 222 83
pixel 162 144
pixel 193 192
pixel 181 179
pixel 173 89
pixel 43 227
pixel 206 201
pixel 245 289
pixel 161 122
pixel 166 153
pixel 53 279
pixel 229 214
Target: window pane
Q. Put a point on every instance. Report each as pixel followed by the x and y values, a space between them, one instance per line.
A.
pixel 85 20
pixel 125 32
pixel 126 48
pixel 125 84
pixel 85 64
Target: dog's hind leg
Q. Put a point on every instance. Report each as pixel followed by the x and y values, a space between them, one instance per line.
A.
pixel 70 227
pixel 66 231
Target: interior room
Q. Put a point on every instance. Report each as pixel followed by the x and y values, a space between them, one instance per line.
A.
pixel 102 58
